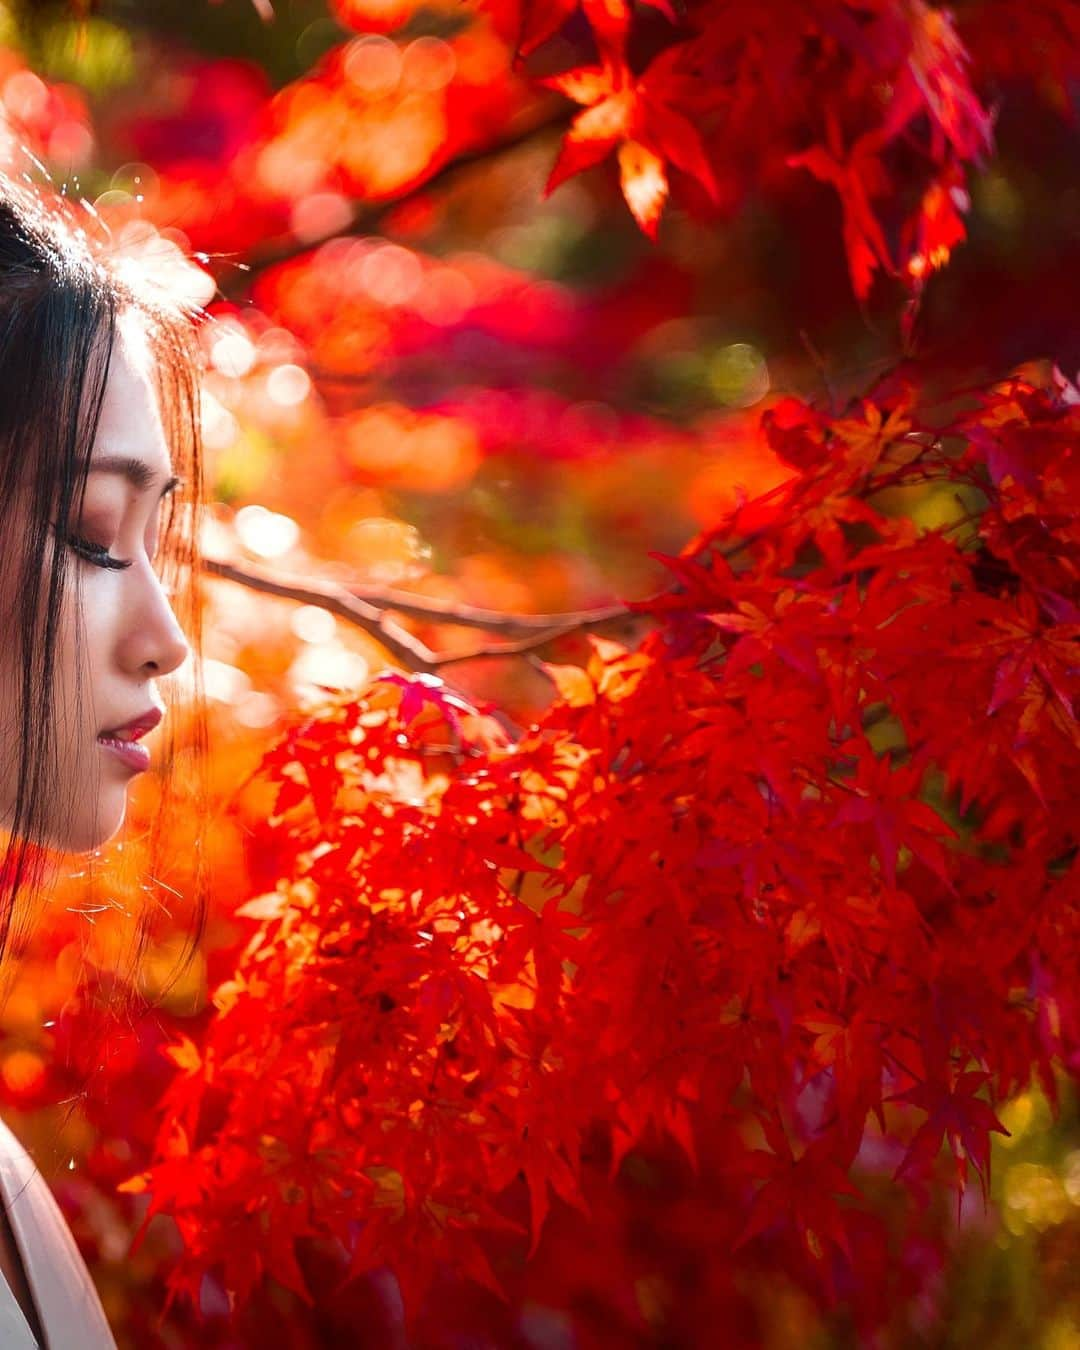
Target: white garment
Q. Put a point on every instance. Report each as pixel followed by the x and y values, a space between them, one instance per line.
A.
pixel 67 1301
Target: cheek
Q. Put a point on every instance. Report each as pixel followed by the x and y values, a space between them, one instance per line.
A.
pixel 78 644
pixel 81 641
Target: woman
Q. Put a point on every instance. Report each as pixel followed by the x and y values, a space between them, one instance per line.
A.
pixel 99 448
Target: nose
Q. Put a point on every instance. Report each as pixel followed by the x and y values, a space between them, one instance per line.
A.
pixel 152 639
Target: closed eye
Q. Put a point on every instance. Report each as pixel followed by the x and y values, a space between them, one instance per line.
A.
pixel 95 553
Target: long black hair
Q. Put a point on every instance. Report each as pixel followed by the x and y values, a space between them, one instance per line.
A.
pixel 65 290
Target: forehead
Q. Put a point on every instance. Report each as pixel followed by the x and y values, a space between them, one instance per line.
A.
pixel 130 427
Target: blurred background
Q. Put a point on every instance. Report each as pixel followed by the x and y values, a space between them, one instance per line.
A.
pixel 432 383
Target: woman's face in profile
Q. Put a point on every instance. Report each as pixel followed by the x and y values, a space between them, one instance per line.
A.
pixel 130 635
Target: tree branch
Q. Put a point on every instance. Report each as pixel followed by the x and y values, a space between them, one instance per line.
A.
pixel 367 607
pixel 473 616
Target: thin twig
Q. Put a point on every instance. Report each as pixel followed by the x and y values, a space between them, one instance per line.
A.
pixel 822 369
pixel 473 616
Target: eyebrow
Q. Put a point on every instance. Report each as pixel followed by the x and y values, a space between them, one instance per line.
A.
pixel 138 473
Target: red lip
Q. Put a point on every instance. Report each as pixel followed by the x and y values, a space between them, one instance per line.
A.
pixel 138 726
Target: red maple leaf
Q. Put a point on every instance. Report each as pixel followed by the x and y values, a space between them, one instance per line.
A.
pixel 956 1114
pixel 801 1191
pixel 857 175
pixel 530 23
pixel 634 118
pixel 1030 647
pixel 885 797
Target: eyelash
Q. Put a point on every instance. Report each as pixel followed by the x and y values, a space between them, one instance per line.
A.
pixel 96 555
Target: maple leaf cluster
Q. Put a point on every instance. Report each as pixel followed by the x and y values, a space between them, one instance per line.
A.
pixel 878 98
pixel 794 884
pixel 714 982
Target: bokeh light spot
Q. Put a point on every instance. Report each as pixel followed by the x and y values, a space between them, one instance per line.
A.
pixel 140 180
pixel 373 65
pixel 386 550
pixel 737 375
pixel 446 296
pixel 70 145
pixel 25 96
pixel 219 427
pixel 328 663
pixel 23 1072
pixel 319 215
pixel 428 64
pixel 223 682
pixel 391 274
pixel 233 353
pixel 310 623
pixel 267 533
pixel 257 710
pixel 288 385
